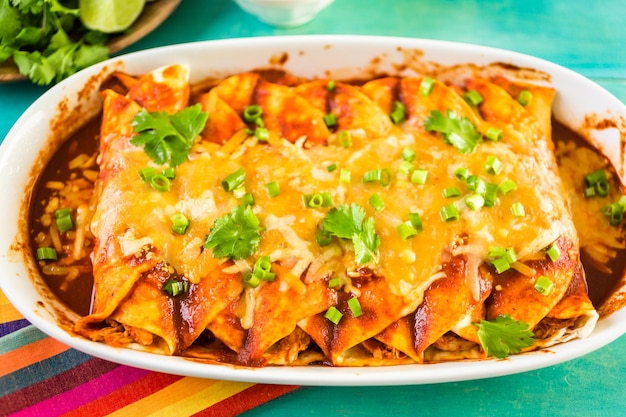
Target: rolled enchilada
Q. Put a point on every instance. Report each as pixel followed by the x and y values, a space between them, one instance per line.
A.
pixel 377 223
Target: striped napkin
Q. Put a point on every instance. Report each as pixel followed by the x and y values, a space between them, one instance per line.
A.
pixel 42 377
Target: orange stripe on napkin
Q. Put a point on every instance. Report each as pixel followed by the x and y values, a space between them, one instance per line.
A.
pixel 29 354
pixel 182 398
pixel 7 311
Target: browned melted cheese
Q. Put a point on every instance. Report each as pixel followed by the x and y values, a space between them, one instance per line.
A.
pixel 421 290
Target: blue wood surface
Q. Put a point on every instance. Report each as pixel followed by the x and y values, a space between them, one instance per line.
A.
pixel 584 35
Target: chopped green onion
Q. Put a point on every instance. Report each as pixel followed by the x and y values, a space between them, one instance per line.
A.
pixel 475 183
pixel 262 134
pixel 345 139
pixel 323 238
pixel 333 315
pixel 355 307
pixel 449 213
pixel 599 182
pixel 406 230
pixel 405 167
pixel 239 192
pixel 518 210
pixel 416 221
pixel 451 192
pixel 273 189
pixel 160 183
pixel 501 265
pixel 494 134
pixel 147 173
pixel 544 285
pixel 491 194
pixel 46 254
pixel 408 154
pixel 474 201
pixel 331 167
pixel 324 199
pixel 251 280
pixel 174 287
pixel 398 112
pixel 473 97
pixel 234 180
pixel 615 213
pixel 330 86
pixel 496 251
pixel 510 255
pixel 524 97
pixel 376 201
pixel 334 282
pixel 344 175
pixel 180 223
pixel 493 165
pixel 507 186
pixel 462 173
pixel 426 86
pixel 63 219
pixel 263 269
pixel 330 120
pixel 252 113
pixel 553 252
pixel 247 199
pixel 589 192
pixel 381 175
pixel 170 172
pixel 419 176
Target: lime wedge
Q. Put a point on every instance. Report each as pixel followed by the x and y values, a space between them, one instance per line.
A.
pixel 110 16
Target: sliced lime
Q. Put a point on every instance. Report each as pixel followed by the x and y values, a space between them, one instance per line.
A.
pixel 110 16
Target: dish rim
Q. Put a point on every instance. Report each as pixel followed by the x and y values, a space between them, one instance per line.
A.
pixel 26 299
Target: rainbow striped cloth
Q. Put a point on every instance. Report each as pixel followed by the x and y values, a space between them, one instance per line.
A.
pixel 42 377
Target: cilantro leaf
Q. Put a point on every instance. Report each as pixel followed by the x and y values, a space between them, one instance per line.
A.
pixel 457 131
pixel 235 235
pixel 34 65
pixel 167 139
pixel 347 223
pixel 504 335
pixel 10 22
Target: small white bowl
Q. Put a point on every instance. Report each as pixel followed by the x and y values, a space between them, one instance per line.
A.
pixel 284 12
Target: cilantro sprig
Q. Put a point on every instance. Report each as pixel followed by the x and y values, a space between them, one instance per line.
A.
pixel 348 222
pixel 235 235
pixel 167 139
pixel 46 39
pixel 456 130
pixel 504 335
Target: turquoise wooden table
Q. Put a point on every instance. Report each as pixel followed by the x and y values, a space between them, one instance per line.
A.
pixel 586 36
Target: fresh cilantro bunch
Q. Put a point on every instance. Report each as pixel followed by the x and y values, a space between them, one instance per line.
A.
pixel 504 335
pixel 348 223
pixel 46 39
pixel 167 139
pixel 235 235
pixel 457 131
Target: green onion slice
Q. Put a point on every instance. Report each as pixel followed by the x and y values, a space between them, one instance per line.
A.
pixel 234 180
pixel 474 201
pixel 355 307
pixel 160 183
pixel 318 200
pixel 473 97
pixel 331 167
pixel 406 230
pixel 493 165
pixel 376 201
pixel 518 210
pixel 333 315
pixel 47 254
pixel 408 154
pixel 419 176
pixel 494 134
pixel 451 192
pixel 344 175
pixel 273 189
pixel 263 269
pixel 174 287
pixel 462 173
pixel 553 252
pixel 180 223
pixel 330 86
pixel 252 113
pixel 345 139
pixel 544 285
pixel 507 186
pixel 426 86
pixel 524 97
pixel 334 282
pixel 330 120
pixel 449 213
pixel 63 219
pixel 398 112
